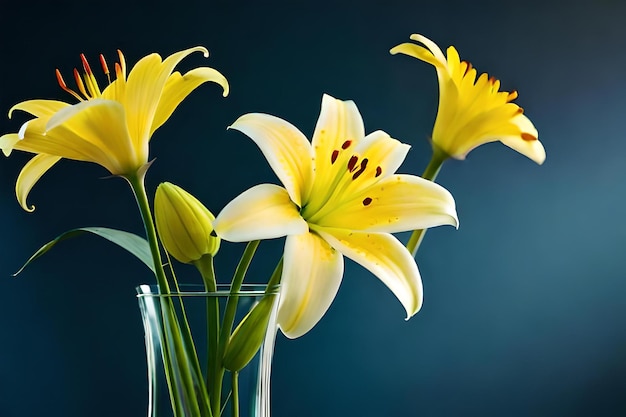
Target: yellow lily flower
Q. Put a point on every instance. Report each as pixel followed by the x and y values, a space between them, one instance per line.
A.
pixel 111 127
pixel 341 196
pixel 473 111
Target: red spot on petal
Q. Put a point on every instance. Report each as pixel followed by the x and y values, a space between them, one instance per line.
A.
pixel 379 171
pixel 352 162
pixel 528 137
pixel 367 201
pixel 334 156
pixel 346 144
pixel 361 169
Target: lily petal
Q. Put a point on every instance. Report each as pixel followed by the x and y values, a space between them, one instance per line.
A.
pixel 30 174
pixel 395 204
pixel 101 123
pixel 8 141
pixel 384 256
pixel 262 212
pixel 180 86
pixel 144 87
pixel 338 129
pixel 312 274
pixel 527 143
pixel 39 108
pixel 286 149
pixel 419 52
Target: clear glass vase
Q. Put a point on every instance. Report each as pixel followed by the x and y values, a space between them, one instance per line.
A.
pixel 185 353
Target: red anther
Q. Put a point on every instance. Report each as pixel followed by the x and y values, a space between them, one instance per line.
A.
pixel 334 156
pixel 519 111
pixel 104 65
pixel 379 171
pixel 367 201
pixel 118 70
pixel 528 137
pixel 492 79
pixel 60 80
pixel 346 144
pixel 352 162
pixel 86 64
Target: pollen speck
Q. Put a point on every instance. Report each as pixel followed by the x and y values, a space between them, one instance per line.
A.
pixel 346 144
pixel 367 201
pixel 379 171
pixel 528 137
pixel 334 156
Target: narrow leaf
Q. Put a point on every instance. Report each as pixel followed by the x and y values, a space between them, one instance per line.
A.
pixel 134 244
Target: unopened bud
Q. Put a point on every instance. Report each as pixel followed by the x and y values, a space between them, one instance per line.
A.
pixel 184 224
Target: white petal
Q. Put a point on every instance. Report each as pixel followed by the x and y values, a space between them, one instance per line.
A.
pixel 312 274
pixel 384 256
pixel 286 149
pixel 532 148
pixel 395 204
pixel 262 212
pixel 339 128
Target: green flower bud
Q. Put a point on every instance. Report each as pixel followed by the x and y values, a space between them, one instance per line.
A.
pixel 184 224
pixel 249 335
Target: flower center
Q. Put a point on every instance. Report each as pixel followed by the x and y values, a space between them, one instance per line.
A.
pixel 349 173
pixel 87 84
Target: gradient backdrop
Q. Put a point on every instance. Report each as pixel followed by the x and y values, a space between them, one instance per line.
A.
pixel 524 310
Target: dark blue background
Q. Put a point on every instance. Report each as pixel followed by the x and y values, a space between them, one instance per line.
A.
pixel 524 310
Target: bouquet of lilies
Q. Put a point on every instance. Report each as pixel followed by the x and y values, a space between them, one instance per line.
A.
pixel 340 194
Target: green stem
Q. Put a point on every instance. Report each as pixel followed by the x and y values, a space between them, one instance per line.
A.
pixel 173 346
pixel 139 189
pixel 430 173
pixel 235 388
pixel 275 278
pixel 205 266
pixel 229 319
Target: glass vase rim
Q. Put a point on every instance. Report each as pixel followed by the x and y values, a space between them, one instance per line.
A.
pixel 198 290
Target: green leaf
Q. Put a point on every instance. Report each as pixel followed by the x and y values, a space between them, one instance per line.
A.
pixel 249 335
pixel 134 244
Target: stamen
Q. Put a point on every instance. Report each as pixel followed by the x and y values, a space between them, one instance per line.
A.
pixel 352 162
pixel 122 63
pixel 79 83
pixel 334 156
pixel 361 169
pixel 105 67
pixel 367 201
pixel 528 137
pixel 86 64
pixel 379 171
pixel 61 82
pixel 118 70
pixel 346 144
pixel 512 95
